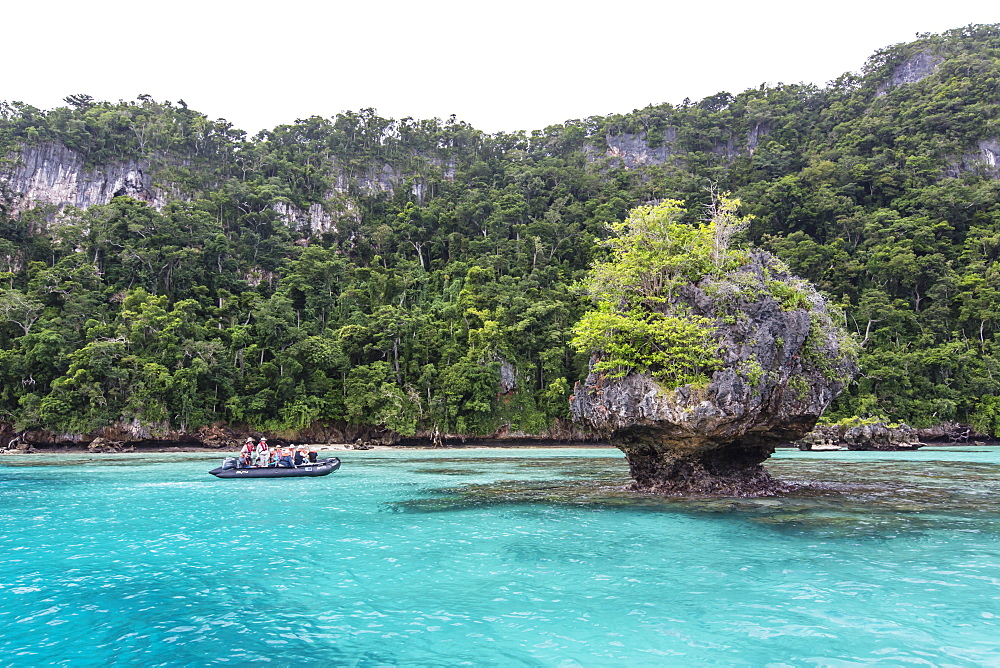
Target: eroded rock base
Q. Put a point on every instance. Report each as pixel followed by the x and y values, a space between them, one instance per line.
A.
pixel 669 466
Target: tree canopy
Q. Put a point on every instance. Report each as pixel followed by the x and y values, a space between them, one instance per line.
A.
pixel 440 292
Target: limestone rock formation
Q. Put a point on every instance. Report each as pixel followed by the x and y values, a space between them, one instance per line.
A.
pixel 102 445
pixel 983 158
pixel 633 151
pixel 918 66
pixel 876 436
pixel 53 176
pixel 50 174
pixel 784 359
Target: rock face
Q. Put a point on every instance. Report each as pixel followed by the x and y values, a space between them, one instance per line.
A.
pixel 877 436
pixel 123 437
pixel 919 66
pixel 784 360
pixel 316 220
pixel 119 436
pixel 982 159
pixel 632 151
pixel 51 174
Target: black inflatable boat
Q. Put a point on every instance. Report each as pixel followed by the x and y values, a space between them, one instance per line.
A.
pixel 322 467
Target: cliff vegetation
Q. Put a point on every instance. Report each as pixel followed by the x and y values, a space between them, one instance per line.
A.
pixel 162 271
pixel 736 354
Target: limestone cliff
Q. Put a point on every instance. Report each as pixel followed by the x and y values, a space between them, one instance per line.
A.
pixel 983 158
pixel 783 361
pixel 634 151
pixel 918 66
pixel 52 175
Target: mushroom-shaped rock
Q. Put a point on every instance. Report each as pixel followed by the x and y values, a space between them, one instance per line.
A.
pixel 768 360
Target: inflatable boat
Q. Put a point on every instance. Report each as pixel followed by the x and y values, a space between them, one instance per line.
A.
pixel 230 470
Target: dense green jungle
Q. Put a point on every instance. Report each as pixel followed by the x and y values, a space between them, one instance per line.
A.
pixel 421 276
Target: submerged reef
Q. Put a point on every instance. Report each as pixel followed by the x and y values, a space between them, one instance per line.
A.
pixel 837 495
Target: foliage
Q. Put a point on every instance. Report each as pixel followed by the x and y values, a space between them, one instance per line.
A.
pixel 633 328
pixel 451 253
pixel 672 348
pixel 986 418
pixel 654 253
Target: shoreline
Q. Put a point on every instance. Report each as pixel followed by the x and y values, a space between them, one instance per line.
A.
pixel 349 447
pixel 325 447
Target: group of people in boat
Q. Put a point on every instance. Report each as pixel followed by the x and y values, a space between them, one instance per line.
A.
pixel 261 454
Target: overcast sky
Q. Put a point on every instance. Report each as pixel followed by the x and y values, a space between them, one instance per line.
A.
pixel 515 65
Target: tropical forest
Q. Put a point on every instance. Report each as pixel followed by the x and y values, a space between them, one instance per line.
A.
pixel 420 278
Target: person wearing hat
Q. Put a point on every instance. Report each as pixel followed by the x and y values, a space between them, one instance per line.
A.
pixel 262 452
pixel 246 454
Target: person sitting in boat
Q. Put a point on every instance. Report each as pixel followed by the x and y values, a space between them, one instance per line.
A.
pixel 286 458
pixel 274 456
pixel 299 458
pixel 262 452
pixel 312 456
pixel 246 454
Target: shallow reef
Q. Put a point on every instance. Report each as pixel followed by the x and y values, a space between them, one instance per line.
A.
pixel 874 499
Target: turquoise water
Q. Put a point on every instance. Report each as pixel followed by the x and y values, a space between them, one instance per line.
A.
pixel 498 558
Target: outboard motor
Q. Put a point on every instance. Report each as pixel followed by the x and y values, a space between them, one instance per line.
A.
pixel 228 463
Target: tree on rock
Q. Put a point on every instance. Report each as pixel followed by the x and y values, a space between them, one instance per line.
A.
pixel 703 356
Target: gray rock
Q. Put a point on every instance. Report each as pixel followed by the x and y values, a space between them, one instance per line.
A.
pixel 316 220
pixel 984 159
pixel 782 366
pixel 632 151
pixel 877 436
pixel 104 445
pixel 508 377
pixel 758 131
pixel 51 174
pixel 913 69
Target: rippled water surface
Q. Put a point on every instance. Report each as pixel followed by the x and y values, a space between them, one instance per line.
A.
pixel 498 557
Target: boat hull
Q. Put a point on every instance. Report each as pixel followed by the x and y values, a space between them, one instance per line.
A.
pixel 320 468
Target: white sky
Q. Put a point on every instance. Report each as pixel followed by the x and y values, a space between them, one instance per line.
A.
pixel 517 65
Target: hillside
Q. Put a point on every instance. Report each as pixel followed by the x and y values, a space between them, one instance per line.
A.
pixel 161 271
